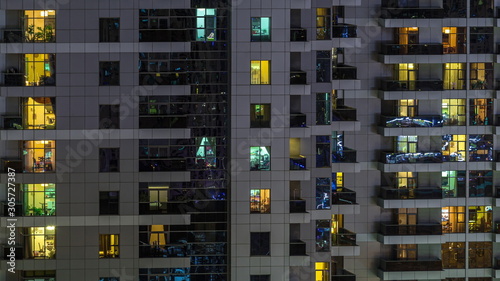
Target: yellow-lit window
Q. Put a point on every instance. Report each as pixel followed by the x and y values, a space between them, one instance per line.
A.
pixel 39 199
pixel 407 108
pixel 406 72
pixel 454 148
pixel 40 25
pixel 454 39
pixel 39 113
pixel 322 271
pixel 453 219
pixel 406 180
pixel 406 144
pixel 323 23
pixel 339 179
pixel 480 219
pixel 407 35
pixel 109 245
pixel 453 112
pixel 40 242
pixel 260 201
pixel 39 156
pixel 39 69
pixel 454 76
pixel 260 72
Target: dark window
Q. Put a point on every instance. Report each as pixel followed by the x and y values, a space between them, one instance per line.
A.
pixel 260 115
pixel 109 30
pixel 481 40
pixel 109 116
pixel 109 73
pixel 109 160
pixel 260 244
pixel 109 278
pixel 109 202
pixel 260 277
pixel 323 59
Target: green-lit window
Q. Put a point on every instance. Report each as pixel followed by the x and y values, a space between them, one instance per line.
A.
pixel 205 24
pixel 261 29
pixel 260 158
pixel 39 199
pixel 260 72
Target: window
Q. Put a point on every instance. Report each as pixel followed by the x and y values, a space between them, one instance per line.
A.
pixel 481 112
pixel 323 108
pixel 453 148
pixel 323 68
pixel 323 229
pixel 323 23
pixel 109 73
pixel 407 108
pixel 164 154
pixel 453 183
pixel 406 180
pixel 260 277
pixel 481 76
pixel 260 158
pixel 406 251
pixel 453 254
pixel 260 115
pixel 260 244
pixel 260 201
pixel 205 152
pixel 168 112
pixel 39 113
pixel 480 148
pixel 39 275
pixel 39 69
pixel 39 199
pixel 109 278
pixel 453 112
pixel 407 74
pixel 205 25
pixel 109 116
pixel 323 187
pixel 480 183
pixel 454 76
pixel 480 219
pixel 480 254
pixel 406 36
pixel 481 9
pixel 322 151
pixel 39 242
pixel 109 160
pixel 322 271
pixel 406 144
pixel 156 241
pixel 109 245
pixel 453 219
pixel 39 25
pixel 454 40
pixel 109 202
pixel 260 72
pixel 261 29
pixel 109 30
pixel 39 156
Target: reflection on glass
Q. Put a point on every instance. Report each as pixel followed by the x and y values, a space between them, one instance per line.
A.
pixel 480 183
pixel 480 147
pixel 453 148
pixel 453 183
pixel 322 236
pixel 453 254
pixel 205 153
pixel 323 193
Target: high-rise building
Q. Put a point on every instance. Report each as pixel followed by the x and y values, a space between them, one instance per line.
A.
pixel 249 140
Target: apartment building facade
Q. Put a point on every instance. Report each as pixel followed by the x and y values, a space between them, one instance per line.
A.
pixel 249 140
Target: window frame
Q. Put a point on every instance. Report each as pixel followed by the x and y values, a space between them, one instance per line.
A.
pixel 256 28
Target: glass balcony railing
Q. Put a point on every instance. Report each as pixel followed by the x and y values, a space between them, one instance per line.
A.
pixel 412 49
pixel 344 113
pixel 416 85
pixel 411 229
pixel 298 163
pixel 163 121
pixel 165 251
pixel 13 122
pixel 412 13
pixel 416 121
pixel 344 197
pixel 298 34
pixel 344 238
pixel 162 165
pixel 343 275
pixel 297 120
pixel 298 77
pixel 344 31
pixel 297 206
pixel 411 193
pixel 411 265
pixel 344 72
pixel 297 248
pixel 346 155
pixel 416 157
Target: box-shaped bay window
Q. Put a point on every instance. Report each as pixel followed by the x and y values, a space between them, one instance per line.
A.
pixel 39 156
pixel 39 113
pixel 39 199
pixel 260 72
pixel 261 29
pixel 39 242
pixel 260 158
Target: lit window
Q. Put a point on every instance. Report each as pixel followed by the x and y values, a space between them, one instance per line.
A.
pixel 39 156
pixel 260 72
pixel 205 153
pixel 481 76
pixel 109 245
pixel 481 112
pixel 39 199
pixel 453 254
pixel 454 76
pixel 453 112
pixel 260 158
pixel 453 148
pixel 454 40
pixel 453 219
pixel 39 25
pixel 323 23
pixel 261 29
pixel 40 242
pixel 39 70
pixel 453 183
pixel 205 25
pixel 39 113
pixel 260 201
pixel 322 271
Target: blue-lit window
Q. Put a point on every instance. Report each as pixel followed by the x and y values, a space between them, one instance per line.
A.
pixel 261 29
pixel 480 183
pixel 453 148
pixel 322 151
pixel 323 69
pixel 323 228
pixel 323 196
pixel 480 148
pixel 323 108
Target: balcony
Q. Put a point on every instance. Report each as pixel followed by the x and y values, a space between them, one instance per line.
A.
pixel 298 120
pixel 344 197
pixel 344 113
pixel 412 13
pixel 164 251
pixel 346 155
pixel 343 275
pixel 297 206
pixel 344 31
pixel 344 238
pixel 412 49
pixel 411 270
pixel 416 85
pixel 12 123
pixel 416 157
pixel 416 229
pixel 416 121
pixel 163 121
pixel 421 197
pixel 298 163
pixel 344 72
pixel 298 34
pixel 298 77
pixel 297 248
pixel 162 165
